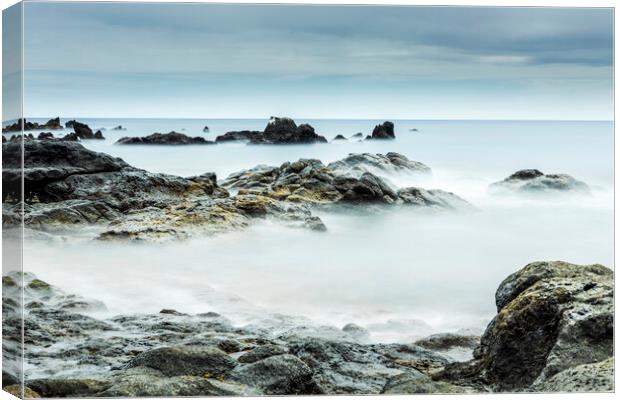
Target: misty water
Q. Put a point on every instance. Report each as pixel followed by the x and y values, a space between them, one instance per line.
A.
pixel 401 273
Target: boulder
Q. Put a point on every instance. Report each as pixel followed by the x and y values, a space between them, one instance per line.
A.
pixel 185 360
pixel 205 129
pixel 384 131
pixel 171 138
pixel 260 353
pixel 534 181
pixel 119 128
pixel 389 164
pixel 277 375
pixel 585 378
pixel 415 382
pixel 339 137
pixel 552 317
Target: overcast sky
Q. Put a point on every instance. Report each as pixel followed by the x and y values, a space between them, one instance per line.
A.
pixel 244 61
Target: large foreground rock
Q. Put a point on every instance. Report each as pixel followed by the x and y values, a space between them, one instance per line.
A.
pixel 534 181
pixel 552 317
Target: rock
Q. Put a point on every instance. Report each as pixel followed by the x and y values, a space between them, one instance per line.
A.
pixel 358 135
pixel 186 360
pixel 356 331
pixel 45 136
pixel 171 138
pixel 8 378
pixel 534 181
pixel 416 382
pixel 552 316
pixel 98 135
pixel 434 198
pixel 277 375
pixel 237 135
pixel 391 163
pixel 16 390
pixel 585 378
pixel 68 387
pixel 205 129
pixel 277 131
pixel 260 353
pixel 82 131
pixel 446 341
pixel 339 137
pixel 384 131
pixel 53 123
pixel 118 128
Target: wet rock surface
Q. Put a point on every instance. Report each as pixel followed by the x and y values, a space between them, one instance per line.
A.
pixel 66 185
pixel 553 332
pixel 534 181
pixel 552 317
pixel 170 138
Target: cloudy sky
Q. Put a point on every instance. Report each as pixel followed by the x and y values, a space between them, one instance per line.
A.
pixel 244 61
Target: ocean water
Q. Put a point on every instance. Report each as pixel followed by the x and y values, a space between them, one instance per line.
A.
pixel 401 273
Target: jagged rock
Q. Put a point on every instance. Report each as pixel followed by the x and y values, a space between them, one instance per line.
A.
pixel 171 138
pixel 186 360
pixel 261 352
pixel 552 316
pixel 277 131
pixel 81 131
pixel 534 181
pixel 384 131
pixel 277 375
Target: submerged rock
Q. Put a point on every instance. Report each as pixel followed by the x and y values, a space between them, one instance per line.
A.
pixel 534 181
pixel 339 137
pixel 170 138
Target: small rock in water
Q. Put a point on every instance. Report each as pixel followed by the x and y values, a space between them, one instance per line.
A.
pixel 534 181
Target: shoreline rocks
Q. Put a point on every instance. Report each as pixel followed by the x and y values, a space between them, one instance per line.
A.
pixel 277 131
pixel 170 138
pixel 553 333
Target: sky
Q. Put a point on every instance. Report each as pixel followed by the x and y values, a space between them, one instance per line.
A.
pixel 254 61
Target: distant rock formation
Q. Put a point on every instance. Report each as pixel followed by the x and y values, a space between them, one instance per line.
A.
pixel 533 181
pixel 171 138
pixel 53 124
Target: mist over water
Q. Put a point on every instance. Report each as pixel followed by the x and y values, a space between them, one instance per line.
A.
pixel 400 272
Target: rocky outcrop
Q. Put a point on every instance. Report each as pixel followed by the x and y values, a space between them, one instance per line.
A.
pixel 170 138
pixel 339 137
pixel 383 131
pixel 389 164
pixel 205 129
pixel 81 131
pixel 554 320
pixel 119 128
pixel 534 181
pixel 344 181
pixel 277 131
pixel 53 124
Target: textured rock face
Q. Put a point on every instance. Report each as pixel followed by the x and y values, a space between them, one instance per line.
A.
pixel 384 131
pixel 552 317
pixel 534 181
pixel 81 131
pixel 171 138
pixel 391 163
pixel 186 360
pixel 237 135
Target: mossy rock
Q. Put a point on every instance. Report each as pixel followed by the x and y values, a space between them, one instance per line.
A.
pixel 38 284
pixel 8 281
pixel 16 390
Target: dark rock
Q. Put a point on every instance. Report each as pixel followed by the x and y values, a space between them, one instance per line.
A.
pixel 277 375
pixel 205 129
pixel 186 360
pixel 98 135
pixel 261 352
pixel 358 135
pixel 384 131
pixel 45 136
pixel 171 138
pixel 68 387
pixel 339 137
pixel 445 341
pixel 119 128
pixel 237 135
pixel 552 317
